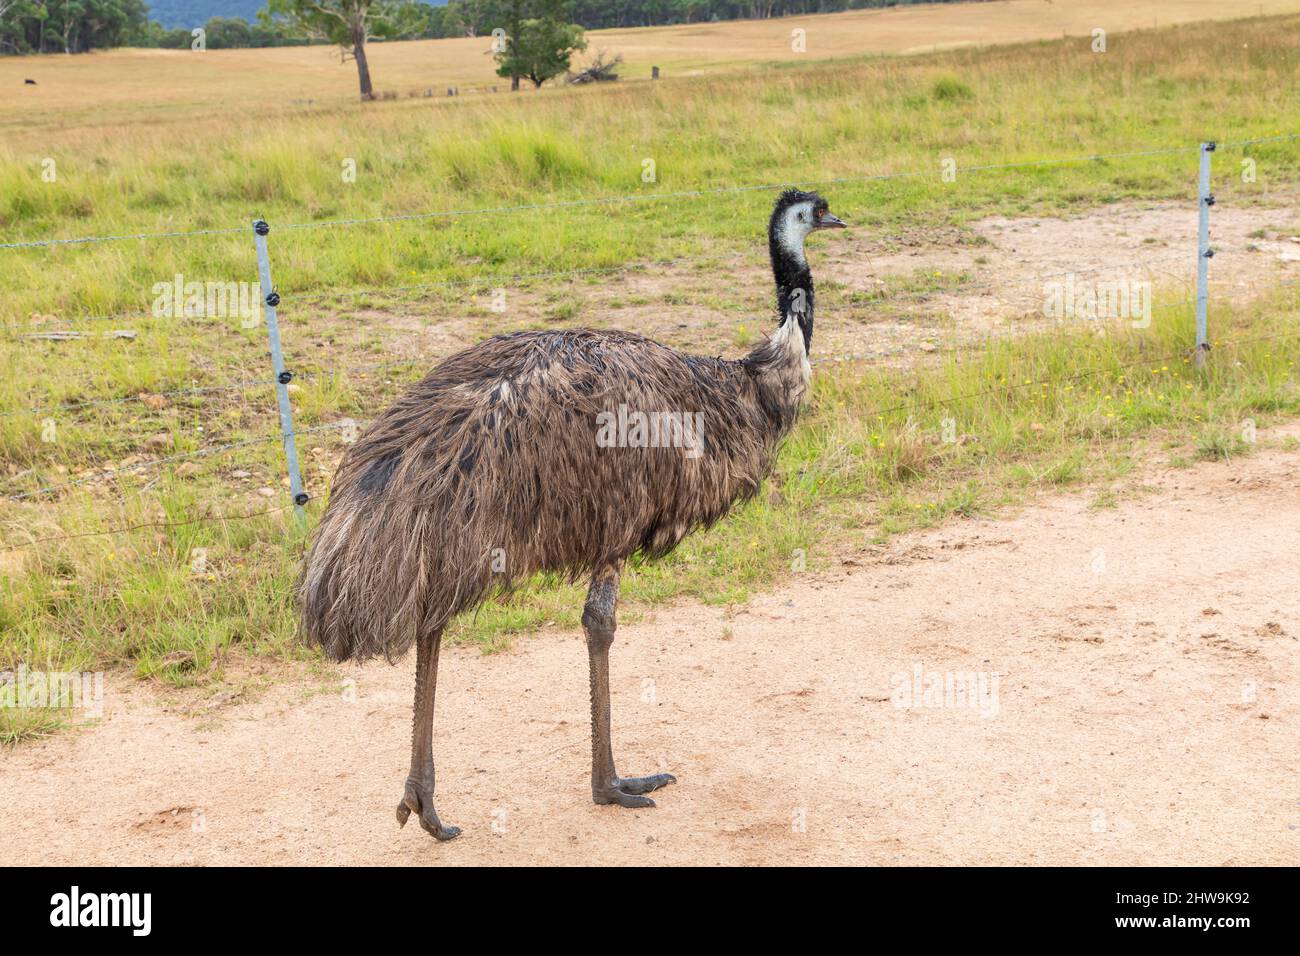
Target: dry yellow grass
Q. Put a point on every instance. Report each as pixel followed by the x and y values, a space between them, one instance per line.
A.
pixel 131 85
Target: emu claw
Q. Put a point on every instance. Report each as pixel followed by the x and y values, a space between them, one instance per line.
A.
pixel 626 791
pixel 417 798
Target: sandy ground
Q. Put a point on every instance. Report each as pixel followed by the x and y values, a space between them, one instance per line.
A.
pixel 1144 711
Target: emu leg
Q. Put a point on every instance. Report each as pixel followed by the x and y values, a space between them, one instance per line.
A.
pixel 599 623
pixel 419 785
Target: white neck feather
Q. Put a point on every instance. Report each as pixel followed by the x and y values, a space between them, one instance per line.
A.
pixel 791 232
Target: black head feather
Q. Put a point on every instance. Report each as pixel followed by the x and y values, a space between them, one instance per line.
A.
pixel 792 196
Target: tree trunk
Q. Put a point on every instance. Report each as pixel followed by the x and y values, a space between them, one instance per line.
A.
pixel 363 68
pixel 516 18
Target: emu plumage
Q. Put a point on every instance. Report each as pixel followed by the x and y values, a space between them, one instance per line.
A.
pixel 493 467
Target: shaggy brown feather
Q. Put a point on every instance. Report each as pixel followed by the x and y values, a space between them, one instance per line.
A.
pixel 493 459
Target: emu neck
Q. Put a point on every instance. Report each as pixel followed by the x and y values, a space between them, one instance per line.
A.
pixel 794 288
pixel 780 362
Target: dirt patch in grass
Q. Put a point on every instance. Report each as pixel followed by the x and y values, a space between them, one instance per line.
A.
pixel 890 298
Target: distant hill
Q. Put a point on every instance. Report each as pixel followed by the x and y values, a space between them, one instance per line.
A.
pixel 195 13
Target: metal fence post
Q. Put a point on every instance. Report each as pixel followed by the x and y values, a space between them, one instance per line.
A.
pixel 1203 255
pixel 271 299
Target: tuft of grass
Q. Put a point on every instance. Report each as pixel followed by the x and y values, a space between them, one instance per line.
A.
pixel 1217 444
pixel 949 89
pixel 20 724
pixel 1104 500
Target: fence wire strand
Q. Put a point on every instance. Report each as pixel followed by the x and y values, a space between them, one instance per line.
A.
pixel 204 519
pixel 884 296
pixel 141 397
pixel 170 459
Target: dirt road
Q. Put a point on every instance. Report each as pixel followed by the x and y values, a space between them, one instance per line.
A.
pixel 1134 702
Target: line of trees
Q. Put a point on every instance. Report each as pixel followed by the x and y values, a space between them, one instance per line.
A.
pixel 76 26
pixel 219 33
pixel 534 39
pixel 68 26
pixel 480 17
pixel 79 26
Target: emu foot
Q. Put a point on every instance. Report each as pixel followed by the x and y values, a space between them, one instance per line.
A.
pixel 626 791
pixel 419 798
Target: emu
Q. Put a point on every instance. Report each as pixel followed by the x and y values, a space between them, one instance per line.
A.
pixel 500 463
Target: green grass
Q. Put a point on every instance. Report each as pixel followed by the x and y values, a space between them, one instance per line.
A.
pixel 1220 445
pixel 851 118
pixel 18 724
pixel 880 451
pixel 869 460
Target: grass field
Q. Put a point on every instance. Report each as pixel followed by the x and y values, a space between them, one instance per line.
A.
pixel 132 86
pixel 1033 413
pixel 824 121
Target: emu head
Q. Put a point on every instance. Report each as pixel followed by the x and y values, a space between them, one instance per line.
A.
pixel 795 215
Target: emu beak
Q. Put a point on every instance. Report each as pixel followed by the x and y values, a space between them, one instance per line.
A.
pixel 831 222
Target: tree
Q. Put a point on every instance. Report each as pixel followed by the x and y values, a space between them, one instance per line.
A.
pixel 69 26
pixel 541 46
pixel 509 65
pixel 349 23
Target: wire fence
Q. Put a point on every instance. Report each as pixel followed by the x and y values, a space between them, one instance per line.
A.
pixel 281 380
pixel 102 474
pixel 509 280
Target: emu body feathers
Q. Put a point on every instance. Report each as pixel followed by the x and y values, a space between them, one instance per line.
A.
pixel 491 468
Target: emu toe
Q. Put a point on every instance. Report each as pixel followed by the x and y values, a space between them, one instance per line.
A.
pixel 420 800
pixel 626 791
pixel 644 784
